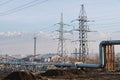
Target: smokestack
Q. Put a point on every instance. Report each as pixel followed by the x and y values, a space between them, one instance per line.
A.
pixel 34 46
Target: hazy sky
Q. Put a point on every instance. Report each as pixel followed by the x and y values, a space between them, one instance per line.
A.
pixel 19 19
pixel 42 17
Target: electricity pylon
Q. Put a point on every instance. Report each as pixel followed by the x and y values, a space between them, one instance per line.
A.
pixel 83 30
pixel 61 42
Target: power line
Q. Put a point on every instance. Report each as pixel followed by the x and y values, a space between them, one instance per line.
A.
pixel 19 8
pixel 106 17
pixel 105 25
pixel 3 3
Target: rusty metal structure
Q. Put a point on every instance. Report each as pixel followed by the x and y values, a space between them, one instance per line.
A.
pixel 106 60
pixel 106 57
pixel 110 58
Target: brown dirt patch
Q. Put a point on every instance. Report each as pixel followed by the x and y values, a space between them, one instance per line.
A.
pixel 21 75
pixel 57 72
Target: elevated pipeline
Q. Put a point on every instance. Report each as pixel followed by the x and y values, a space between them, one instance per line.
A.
pixel 102 56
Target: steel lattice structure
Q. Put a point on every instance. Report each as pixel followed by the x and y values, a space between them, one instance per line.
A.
pixel 61 38
pixel 83 34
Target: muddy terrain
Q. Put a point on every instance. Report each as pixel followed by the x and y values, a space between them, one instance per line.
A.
pixel 61 75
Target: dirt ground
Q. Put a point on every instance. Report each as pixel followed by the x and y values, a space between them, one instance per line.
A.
pixel 71 75
pixel 81 75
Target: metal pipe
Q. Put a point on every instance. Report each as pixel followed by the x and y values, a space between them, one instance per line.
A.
pixel 102 56
pixel 103 45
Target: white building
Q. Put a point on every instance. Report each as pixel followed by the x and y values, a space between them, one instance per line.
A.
pixel 50 58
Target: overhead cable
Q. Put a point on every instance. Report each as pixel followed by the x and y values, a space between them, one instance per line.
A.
pixel 19 8
pixel 3 3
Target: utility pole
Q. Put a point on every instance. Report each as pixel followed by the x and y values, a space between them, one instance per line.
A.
pixel 83 34
pixel 34 46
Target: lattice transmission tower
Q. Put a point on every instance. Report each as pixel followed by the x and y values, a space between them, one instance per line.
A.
pixel 83 34
pixel 61 40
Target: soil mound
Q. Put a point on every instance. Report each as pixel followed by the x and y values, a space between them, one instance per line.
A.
pixel 57 72
pixel 21 75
